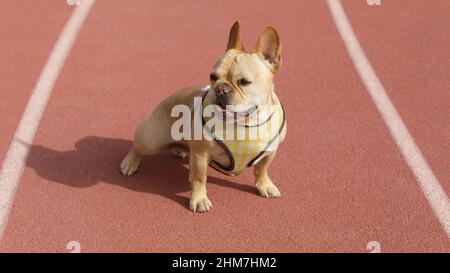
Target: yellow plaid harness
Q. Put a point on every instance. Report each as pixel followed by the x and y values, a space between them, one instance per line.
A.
pixel 245 144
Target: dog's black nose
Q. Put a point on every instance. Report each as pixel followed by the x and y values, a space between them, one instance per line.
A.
pixel 223 90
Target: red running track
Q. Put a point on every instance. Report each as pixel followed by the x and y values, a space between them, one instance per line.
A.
pixel 343 179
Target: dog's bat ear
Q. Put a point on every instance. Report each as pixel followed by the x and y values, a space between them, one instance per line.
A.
pixel 268 47
pixel 234 40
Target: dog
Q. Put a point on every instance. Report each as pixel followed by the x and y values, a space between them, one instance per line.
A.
pixel 241 83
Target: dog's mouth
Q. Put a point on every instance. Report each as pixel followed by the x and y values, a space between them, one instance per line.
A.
pixel 236 111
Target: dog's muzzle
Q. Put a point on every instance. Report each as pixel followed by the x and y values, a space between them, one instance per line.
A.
pixel 223 93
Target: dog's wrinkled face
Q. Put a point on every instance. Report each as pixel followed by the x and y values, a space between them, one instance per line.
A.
pixel 243 81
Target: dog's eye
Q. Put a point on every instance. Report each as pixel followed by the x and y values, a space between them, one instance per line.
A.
pixel 213 77
pixel 244 82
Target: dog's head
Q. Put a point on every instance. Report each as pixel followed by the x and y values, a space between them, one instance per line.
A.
pixel 242 81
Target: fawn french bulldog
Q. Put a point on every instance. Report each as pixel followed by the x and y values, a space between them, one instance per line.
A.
pixel 242 99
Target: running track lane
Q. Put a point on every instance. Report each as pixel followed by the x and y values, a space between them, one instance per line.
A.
pixel 17 154
pixel 343 181
pixel 414 73
pixel 27 35
pixel 426 179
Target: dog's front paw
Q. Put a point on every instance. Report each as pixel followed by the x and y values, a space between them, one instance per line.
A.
pixel 200 204
pixel 130 164
pixel 268 190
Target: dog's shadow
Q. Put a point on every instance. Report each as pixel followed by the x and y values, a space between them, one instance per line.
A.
pixel 97 159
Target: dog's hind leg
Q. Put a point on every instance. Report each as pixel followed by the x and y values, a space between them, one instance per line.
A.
pixel 154 133
pixel 130 163
pixel 151 136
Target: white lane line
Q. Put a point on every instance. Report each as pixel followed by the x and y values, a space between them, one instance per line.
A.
pixel 13 165
pixel 425 177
